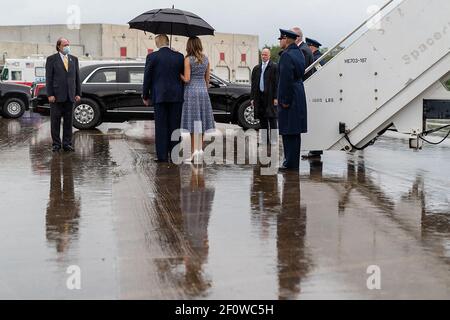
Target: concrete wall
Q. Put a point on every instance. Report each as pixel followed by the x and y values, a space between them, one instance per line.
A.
pixel 232 56
pixel 23 49
pixel 39 34
pixel 88 36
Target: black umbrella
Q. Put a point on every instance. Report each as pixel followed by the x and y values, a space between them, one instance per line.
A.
pixel 173 22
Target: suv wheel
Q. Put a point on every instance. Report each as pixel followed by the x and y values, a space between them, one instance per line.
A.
pixel 86 115
pixel 246 116
pixel 13 108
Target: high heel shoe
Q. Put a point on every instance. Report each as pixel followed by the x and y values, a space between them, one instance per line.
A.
pixel 197 157
pixel 191 159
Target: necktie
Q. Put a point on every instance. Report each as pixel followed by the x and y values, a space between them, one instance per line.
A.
pixel 261 82
pixel 66 63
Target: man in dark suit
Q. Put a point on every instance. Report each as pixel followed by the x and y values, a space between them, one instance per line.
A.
pixel 162 82
pixel 64 89
pixel 307 53
pixel 292 110
pixel 264 93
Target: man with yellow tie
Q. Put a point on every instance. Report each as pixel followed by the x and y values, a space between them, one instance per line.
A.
pixel 63 89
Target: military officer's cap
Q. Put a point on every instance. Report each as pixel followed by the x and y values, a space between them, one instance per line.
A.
pixel 313 43
pixel 287 34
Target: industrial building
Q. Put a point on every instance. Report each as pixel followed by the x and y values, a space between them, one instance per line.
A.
pixel 232 56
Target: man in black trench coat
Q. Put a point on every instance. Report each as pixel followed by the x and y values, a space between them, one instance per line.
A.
pixel 264 94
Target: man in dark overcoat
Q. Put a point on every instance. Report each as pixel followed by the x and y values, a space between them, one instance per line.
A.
pixel 264 94
pixel 63 85
pixel 292 109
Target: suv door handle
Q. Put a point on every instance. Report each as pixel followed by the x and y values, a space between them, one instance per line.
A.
pixel 130 91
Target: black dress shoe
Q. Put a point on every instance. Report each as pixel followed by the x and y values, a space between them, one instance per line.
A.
pixel 69 149
pixel 312 156
pixel 56 149
pixel 286 169
pixel 161 161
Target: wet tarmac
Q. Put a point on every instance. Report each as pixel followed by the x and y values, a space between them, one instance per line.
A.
pixel 142 230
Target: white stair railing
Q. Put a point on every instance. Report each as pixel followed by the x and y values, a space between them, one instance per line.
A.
pixel 326 54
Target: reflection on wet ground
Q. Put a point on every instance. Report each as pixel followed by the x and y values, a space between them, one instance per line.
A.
pixel 141 230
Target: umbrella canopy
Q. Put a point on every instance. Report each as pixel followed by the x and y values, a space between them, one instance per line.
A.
pixel 172 22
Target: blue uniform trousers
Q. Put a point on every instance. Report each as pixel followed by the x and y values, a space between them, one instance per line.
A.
pixel 292 147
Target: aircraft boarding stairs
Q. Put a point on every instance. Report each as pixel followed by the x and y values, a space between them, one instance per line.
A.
pixel 382 80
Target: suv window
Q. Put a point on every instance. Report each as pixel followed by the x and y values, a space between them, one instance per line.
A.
pixel 137 77
pixel 104 76
pixel 133 75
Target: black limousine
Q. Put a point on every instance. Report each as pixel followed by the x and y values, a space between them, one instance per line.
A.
pixel 112 93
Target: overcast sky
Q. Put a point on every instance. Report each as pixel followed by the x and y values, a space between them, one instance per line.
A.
pixel 325 20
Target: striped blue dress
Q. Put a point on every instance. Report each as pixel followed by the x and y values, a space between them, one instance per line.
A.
pixel 197 110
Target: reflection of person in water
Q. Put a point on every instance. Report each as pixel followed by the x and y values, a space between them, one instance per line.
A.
pixel 196 204
pixel 433 222
pixel 293 260
pixel 265 200
pixel 166 201
pixel 63 207
pixel 182 220
pixel 316 169
pixel 290 218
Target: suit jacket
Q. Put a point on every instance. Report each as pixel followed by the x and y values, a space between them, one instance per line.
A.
pixel 309 59
pixel 267 110
pixel 291 91
pixel 62 84
pixel 162 81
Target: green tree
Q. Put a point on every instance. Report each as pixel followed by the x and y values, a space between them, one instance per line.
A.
pixel 333 54
pixel 447 84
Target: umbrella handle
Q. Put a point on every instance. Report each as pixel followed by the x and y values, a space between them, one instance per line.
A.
pixel 171 31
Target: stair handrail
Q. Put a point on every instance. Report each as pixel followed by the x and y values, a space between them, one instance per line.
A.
pixel 317 62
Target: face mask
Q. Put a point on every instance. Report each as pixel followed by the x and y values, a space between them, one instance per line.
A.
pixel 66 50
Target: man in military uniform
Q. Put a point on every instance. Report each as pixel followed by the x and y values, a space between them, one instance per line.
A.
pixel 292 110
pixel 315 48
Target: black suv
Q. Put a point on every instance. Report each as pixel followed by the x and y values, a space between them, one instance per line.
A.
pixel 112 93
pixel 14 100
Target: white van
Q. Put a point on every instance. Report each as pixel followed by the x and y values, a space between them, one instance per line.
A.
pixel 23 71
